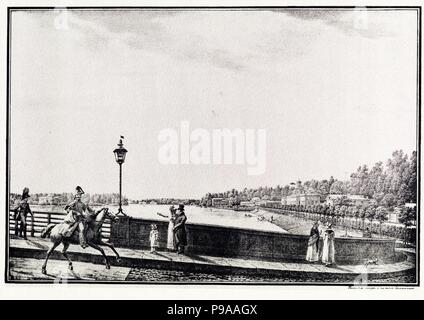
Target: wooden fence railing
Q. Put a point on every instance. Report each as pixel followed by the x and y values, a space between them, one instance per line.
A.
pixel 40 219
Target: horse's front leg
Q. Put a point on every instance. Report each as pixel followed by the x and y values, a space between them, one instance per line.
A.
pixel 95 246
pixel 110 245
pixel 65 248
pixel 49 252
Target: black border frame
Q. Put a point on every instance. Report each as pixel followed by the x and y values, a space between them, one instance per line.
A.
pixel 213 8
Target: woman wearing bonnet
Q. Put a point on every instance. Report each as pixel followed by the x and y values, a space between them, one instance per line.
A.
pixel 328 251
pixel 312 255
pixel 171 216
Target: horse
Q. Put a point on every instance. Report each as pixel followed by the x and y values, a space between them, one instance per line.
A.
pixel 93 237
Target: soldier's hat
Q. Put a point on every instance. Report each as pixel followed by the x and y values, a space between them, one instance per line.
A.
pixel 79 190
pixel 25 193
pixel 181 207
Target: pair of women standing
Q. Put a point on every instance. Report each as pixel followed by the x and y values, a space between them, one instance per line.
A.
pixel 177 236
pixel 328 252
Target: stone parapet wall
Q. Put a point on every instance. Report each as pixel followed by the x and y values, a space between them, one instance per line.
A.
pixel 236 242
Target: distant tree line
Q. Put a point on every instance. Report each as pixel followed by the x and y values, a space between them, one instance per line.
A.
pixel 391 184
pixel 388 187
pixel 66 197
pixel 94 199
pixel 169 201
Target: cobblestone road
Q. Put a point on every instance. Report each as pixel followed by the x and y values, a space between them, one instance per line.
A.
pixel 142 274
pixel 30 269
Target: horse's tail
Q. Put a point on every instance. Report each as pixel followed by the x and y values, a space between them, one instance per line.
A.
pixel 46 231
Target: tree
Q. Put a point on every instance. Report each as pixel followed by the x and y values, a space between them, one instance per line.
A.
pixel 342 201
pixel 381 215
pixel 338 187
pixel 370 214
pixel 408 217
pixel 276 194
pixel 359 181
pixel 323 187
pixel 357 214
pixel 375 183
pixel 343 210
pixel 412 182
pixel 398 176
pixel 351 213
pixel 332 213
pixel 363 215
pixel 388 200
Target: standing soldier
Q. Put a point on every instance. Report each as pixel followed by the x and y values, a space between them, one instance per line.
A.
pixel 21 212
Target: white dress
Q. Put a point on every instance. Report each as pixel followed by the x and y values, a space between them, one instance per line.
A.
pixel 154 237
pixel 170 241
pixel 328 252
pixel 312 254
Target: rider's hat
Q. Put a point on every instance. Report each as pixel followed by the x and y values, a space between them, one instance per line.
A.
pixel 181 207
pixel 79 190
pixel 25 193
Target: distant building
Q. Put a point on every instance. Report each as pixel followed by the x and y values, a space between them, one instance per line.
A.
pixel 255 199
pixel 43 200
pixel 393 216
pixel 410 205
pixel 302 199
pixel 49 199
pixel 216 202
pixel 270 204
pixel 354 199
pixel 247 204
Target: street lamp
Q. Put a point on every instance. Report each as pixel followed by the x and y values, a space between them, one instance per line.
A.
pixel 120 159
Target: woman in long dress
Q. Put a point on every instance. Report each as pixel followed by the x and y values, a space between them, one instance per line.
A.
pixel 179 230
pixel 170 244
pixel 328 251
pixel 312 254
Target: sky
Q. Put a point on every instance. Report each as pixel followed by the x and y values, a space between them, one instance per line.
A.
pixel 332 89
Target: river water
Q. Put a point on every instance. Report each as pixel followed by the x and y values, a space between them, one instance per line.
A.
pixel 195 215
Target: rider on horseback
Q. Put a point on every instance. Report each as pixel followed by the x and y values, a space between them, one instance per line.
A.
pixel 79 216
pixel 90 224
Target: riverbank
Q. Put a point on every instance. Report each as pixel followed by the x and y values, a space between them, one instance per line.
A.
pixel 298 225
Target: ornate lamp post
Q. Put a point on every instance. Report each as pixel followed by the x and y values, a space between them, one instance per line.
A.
pixel 120 153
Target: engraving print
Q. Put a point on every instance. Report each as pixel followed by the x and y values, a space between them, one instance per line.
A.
pixel 193 145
